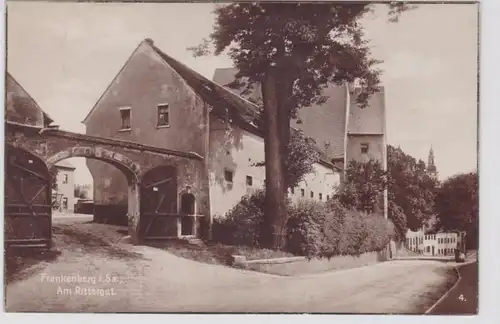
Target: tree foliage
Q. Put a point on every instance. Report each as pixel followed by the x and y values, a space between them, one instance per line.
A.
pixel 81 191
pixel 294 50
pixel 457 205
pixel 54 171
pixel 364 186
pixel 411 187
pixel 302 154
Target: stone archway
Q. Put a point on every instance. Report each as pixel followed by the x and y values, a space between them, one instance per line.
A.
pixel 130 169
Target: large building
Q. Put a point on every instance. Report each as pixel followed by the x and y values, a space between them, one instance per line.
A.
pixel 156 100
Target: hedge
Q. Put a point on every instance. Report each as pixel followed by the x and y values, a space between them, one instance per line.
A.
pixel 314 229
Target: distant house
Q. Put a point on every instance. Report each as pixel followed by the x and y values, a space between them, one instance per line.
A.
pixel 158 101
pixel 63 196
pixel 433 244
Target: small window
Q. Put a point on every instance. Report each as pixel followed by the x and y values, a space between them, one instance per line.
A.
pixel 365 147
pixel 228 176
pixel 320 196
pixel 125 115
pixel 312 194
pixel 249 181
pixel 302 192
pixel 65 203
pixel 163 117
pixel 327 197
pixel 65 178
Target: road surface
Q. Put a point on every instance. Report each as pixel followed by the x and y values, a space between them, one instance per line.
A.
pixel 93 277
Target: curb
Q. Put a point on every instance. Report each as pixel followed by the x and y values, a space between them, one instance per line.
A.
pixel 446 293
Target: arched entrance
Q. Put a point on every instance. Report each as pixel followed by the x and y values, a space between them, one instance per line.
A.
pixel 159 215
pixel 126 167
pixel 28 207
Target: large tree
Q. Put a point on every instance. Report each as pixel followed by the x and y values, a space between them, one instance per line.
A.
pixel 457 206
pixel 293 50
pixel 410 187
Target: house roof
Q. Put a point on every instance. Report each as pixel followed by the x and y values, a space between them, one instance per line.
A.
pixel 327 123
pixel 368 120
pixel 65 164
pixel 324 123
pixel 21 108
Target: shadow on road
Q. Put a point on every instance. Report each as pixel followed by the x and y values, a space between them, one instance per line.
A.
pixel 22 263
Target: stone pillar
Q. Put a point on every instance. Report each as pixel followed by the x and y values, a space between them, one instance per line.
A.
pixel 134 212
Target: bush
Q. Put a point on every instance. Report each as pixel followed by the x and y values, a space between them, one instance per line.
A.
pixel 242 225
pixel 305 229
pixel 314 229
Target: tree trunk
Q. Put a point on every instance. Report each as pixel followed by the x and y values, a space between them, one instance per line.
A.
pixel 275 211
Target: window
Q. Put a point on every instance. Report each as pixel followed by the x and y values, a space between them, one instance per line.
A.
pixel 327 197
pixel 228 176
pixel 125 114
pixel 292 190
pixel 163 118
pixel 312 194
pixel 65 178
pixel 302 192
pixel 320 196
pixel 364 148
pixel 249 181
pixel 65 203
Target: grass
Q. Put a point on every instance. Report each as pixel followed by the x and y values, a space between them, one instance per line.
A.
pixel 214 253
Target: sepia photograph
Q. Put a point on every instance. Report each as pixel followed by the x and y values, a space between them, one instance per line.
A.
pixel 265 157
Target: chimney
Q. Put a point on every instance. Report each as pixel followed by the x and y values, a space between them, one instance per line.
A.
pixel 149 41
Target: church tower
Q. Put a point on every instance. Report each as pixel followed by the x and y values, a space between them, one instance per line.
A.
pixel 431 167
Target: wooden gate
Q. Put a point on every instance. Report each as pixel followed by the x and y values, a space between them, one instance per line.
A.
pixel 159 216
pixel 28 208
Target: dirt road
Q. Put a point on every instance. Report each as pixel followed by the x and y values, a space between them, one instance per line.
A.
pixel 125 278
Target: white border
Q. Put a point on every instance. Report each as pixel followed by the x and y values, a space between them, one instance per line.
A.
pixel 489 165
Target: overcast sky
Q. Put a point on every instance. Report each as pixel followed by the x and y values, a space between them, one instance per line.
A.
pixel 65 55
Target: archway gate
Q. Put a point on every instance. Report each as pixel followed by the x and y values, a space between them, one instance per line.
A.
pixel 31 152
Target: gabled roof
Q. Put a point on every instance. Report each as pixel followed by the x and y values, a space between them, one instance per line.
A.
pixel 20 107
pixel 214 94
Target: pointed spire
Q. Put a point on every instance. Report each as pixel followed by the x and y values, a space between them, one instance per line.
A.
pixel 431 167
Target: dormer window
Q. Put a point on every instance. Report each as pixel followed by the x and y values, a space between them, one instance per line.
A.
pixel 365 147
pixel 163 115
pixel 125 116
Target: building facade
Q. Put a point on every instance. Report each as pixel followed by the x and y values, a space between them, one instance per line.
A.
pixel 158 101
pixel 63 196
pixel 432 244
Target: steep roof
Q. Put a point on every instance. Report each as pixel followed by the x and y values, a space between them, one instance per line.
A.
pixel 20 107
pixel 238 108
pixel 327 123
pixel 324 123
pixel 369 120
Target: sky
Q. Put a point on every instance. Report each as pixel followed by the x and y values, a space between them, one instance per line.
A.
pixel 66 54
